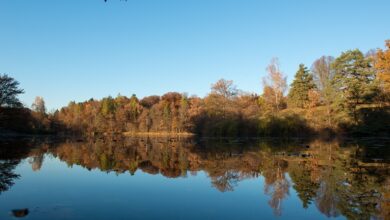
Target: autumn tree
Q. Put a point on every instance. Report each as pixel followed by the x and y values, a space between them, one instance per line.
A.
pixel 43 122
pixel 220 97
pixel 9 91
pixel 249 106
pixel 121 113
pixel 184 113
pixel 108 106
pixel 149 101
pixel 313 100
pixel 382 65
pixel 301 86
pixel 352 81
pixel 134 107
pixel 170 105
pixel 276 84
pixel 222 110
pixel 267 100
pixel 224 88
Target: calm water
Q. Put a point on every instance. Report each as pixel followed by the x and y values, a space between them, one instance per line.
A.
pixel 188 179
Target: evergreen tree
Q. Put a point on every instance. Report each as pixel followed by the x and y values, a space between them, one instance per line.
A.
pixel 353 81
pixel 300 87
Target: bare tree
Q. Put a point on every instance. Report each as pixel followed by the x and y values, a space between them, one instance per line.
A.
pixel 39 105
pixel 323 75
pixel 322 71
pixel 224 88
pixel 277 81
pixel 220 100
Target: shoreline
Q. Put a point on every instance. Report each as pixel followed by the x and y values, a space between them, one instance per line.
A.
pixel 16 135
pixel 158 134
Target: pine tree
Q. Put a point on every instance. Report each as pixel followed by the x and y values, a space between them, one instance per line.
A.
pixel 353 81
pixel 300 87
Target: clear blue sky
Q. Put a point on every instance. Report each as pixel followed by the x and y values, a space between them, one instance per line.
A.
pixel 68 50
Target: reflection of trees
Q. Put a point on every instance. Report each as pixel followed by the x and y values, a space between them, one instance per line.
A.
pixel 276 184
pixel 306 188
pixel 11 153
pixel 169 158
pixel 332 177
pixel 384 205
pixel 335 179
pixel 348 186
pixel 7 175
pixel 327 197
pixel 359 194
pixel 323 181
pixel 36 162
pixel 226 182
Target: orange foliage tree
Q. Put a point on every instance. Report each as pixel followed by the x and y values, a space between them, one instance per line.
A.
pixel 382 66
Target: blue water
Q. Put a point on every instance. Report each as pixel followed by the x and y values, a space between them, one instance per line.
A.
pixel 60 191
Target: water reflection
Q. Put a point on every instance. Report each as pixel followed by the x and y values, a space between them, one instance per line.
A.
pixel 350 179
pixel 10 155
pixel 7 175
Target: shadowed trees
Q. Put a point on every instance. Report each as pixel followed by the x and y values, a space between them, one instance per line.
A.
pixel 9 91
pixel 11 154
pixel 14 117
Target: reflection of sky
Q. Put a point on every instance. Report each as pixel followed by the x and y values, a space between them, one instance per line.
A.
pixel 58 191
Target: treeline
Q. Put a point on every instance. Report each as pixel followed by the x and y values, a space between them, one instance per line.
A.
pixel 347 94
pixel 224 112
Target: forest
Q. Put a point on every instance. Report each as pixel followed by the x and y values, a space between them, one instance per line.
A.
pixel 344 95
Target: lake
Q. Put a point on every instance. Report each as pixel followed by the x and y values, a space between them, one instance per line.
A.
pixel 182 178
